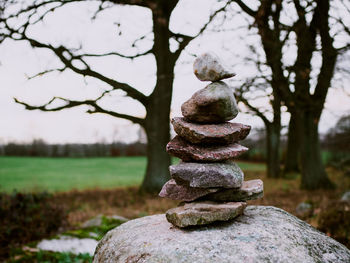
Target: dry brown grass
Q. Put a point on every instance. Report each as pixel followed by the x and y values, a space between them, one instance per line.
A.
pixel 128 202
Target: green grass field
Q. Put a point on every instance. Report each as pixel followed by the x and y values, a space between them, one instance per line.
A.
pixel 28 174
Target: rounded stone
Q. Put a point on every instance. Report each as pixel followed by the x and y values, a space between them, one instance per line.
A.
pixel 261 234
pixel 208 67
pixel 304 210
pixel 213 104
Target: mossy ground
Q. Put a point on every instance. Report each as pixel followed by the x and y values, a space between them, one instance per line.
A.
pixel 29 252
pixel 39 256
pixel 95 232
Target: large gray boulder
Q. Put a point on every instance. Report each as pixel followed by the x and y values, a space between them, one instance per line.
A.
pixel 262 234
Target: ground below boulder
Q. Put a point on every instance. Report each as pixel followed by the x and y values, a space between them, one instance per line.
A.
pixel 262 234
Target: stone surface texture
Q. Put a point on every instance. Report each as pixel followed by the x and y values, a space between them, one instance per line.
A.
pixel 221 133
pixel 175 191
pixel 261 234
pixel 213 104
pixel 208 67
pixel 204 175
pixel 202 153
pixel 203 213
pixel 304 210
pixel 250 190
pixel 346 197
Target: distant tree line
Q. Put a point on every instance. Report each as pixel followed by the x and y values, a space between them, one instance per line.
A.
pixel 39 148
pixel 335 145
pixel 336 142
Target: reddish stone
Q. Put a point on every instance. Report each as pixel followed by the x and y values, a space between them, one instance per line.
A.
pixel 174 191
pixel 250 190
pixel 221 133
pixel 207 175
pixel 191 152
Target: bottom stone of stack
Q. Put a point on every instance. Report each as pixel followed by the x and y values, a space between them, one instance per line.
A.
pixel 202 213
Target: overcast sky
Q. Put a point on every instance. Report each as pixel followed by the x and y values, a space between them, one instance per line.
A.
pixel 72 26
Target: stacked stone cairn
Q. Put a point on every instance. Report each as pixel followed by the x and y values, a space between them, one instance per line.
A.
pixel 208 182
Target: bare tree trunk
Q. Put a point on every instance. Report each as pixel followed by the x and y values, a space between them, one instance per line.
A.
pixel 314 175
pixel 273 145
pixel 158 108
pixel 291 163
pixel 274 137
pixel 158 135
pixel 158 160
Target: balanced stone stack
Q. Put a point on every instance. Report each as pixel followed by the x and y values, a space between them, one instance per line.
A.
pixel 207 180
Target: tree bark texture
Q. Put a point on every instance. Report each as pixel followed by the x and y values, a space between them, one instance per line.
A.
pixel 313 171
pixel 158 108
pixel 274 137
pixel 273 153
pixel 300 99
pixel 291 162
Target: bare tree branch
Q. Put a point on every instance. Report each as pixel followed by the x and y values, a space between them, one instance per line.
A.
pixel 118 54
pixel 239 96
pixel 245 8
pixel 73 103
pixel 42 73
pixel 67 59
pixel 184 40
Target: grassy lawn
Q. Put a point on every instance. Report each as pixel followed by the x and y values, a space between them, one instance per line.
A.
pixel 63 174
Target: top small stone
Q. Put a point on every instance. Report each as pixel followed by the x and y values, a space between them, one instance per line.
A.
pixel 208 67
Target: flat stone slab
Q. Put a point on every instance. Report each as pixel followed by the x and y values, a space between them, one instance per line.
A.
pixel 250 190
pixel 346 197
pixel 205 175
pixel 175 191
pixel 213 104
pixel 203 213
pixel 209 67
pixel 263 234
pixel 69 244
pixel 221 133
pixel 201 153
